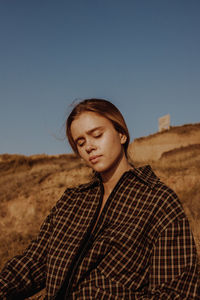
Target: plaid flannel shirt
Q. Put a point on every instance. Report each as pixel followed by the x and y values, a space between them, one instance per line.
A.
pixel 141 248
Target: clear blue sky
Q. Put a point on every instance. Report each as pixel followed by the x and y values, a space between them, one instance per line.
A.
pixel 143 55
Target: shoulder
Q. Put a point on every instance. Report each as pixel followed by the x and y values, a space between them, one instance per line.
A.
pixel 71 194
pixel 85 187
pixel 165 204
pixel 147 177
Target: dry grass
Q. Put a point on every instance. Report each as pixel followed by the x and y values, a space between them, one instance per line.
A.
pixel 180 130
pixel 30 186
pixel 154 146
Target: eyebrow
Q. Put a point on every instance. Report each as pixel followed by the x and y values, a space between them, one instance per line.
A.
pixel 89 132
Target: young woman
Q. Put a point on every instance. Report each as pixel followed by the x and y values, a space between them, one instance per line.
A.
pixel 123 235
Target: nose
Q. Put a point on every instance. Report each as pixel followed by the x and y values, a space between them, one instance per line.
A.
pixel 89 147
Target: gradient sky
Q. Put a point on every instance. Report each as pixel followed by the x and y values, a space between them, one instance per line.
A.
pixel 142 55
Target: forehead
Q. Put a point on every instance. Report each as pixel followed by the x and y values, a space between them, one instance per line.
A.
pixel 88 121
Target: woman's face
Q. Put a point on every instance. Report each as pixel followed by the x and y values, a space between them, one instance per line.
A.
pixel 97 141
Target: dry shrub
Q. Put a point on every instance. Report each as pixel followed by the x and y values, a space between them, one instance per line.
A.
pixel 181 158
pixel 12 244
pixel 191 202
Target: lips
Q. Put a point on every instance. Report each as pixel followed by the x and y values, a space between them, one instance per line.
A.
pixel 94 159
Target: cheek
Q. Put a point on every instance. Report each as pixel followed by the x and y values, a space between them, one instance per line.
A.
pixel 80 153
pixel 107 143
pixel 113 141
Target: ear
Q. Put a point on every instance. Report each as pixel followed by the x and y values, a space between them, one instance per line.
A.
pixel 123 138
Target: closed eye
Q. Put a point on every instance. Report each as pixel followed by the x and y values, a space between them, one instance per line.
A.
pixel 80 143
pixel 98 135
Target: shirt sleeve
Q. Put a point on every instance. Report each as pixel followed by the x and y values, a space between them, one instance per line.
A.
pixel 24 275
pixel 174 266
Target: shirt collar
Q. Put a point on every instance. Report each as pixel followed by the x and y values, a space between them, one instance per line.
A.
pixel 144 174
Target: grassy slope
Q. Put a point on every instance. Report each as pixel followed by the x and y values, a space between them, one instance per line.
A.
pixel 30 186
pixel 153 146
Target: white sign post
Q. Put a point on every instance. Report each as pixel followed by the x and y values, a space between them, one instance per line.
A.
pixel 164 123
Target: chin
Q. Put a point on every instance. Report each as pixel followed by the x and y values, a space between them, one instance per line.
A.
pixel 102 169
pixel 99 168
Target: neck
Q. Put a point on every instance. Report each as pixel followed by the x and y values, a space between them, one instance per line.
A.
pixel 111 177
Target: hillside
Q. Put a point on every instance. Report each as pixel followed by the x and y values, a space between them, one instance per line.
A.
pixel 30 186
pixel 152 147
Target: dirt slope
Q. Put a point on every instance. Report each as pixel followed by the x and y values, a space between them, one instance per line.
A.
pixel 152 147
